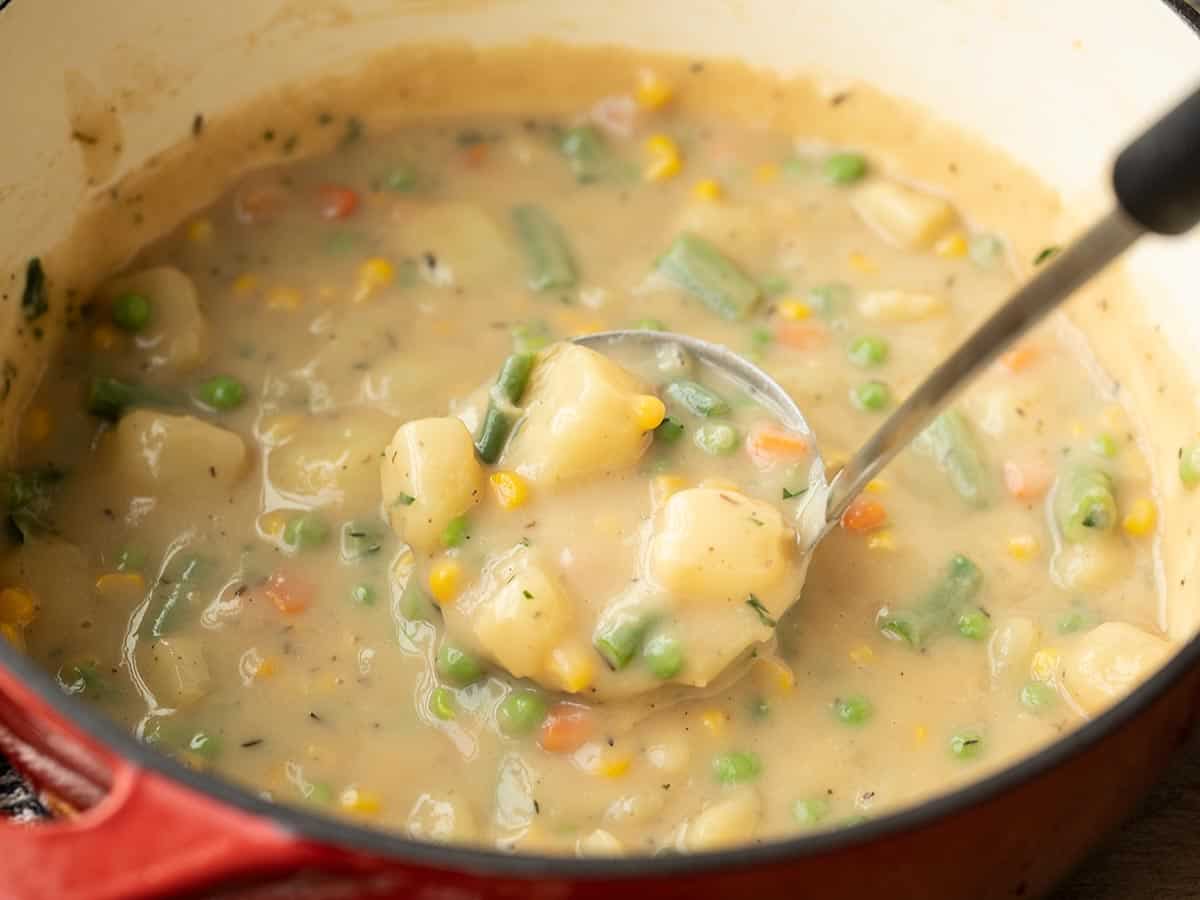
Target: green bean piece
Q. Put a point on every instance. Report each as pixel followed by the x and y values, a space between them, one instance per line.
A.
pixel 587 153
pixel 132 312
pixel 363 594
pixel 871 396
pixel 716 438
pixel 177 593
pixel 530 337
pixel 493 434
pixel 1085 502
pixel 1189 465
pixel 458 666
pixel 737 767
pixel 697 267
pixel 441 703
pixel 618 637
pixel 973 624
pixel 664 655
pixel 668 431
pixel 109 398
pixel 520 713
pixel 844 168
pixel 359 541
pixel 456 532
pixel 811 812
pixel 854 710
pixel 222 392
pixel 697 399
pixel 514 376
pixel 938 609
pixel 966 744
pixel 306 531
pixel 547 256
pixel 951 442
pixel 868 351
pixel 498 421
pixel 1038 696
pixel 28 498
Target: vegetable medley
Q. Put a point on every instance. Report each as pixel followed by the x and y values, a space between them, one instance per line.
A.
pixel 321 497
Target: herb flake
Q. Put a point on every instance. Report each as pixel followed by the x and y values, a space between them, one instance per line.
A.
pixel 34 302
pixel 761 611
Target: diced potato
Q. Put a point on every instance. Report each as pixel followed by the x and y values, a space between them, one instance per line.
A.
pixel 580 420
pixel 442 820
pixel 669 754
pixel 899 306
pixel 1106 663
pixel 731 820
pixel 175 669
pixel 178 455
pixel 906 217
pixel 1010 649
pixel 177 334
pixel 431 461
pixel 598 843
pixel 524 616
pixel 470 249
pixel 333 461
pixel 1091 565
pixel 712 544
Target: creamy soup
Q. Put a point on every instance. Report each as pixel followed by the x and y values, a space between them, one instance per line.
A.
pixel 277 511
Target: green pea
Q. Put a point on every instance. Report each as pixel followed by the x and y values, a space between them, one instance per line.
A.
pixel 1189 465
pixel 306 531
pixel 810 812
pixel 868 351
pixel 1037 696
pixel 828 299
pixel 441 703
pixel 737 767
pixel 223 392
pixel 520 713
pixel 664 655
pixel 131 559
pixel 204 744
pixel 966 744
pixel 973 624
pixel 131 312
pixel 1104 445
pixel 458 666
pixel 363 594
pixel 844 168
pixel 871 396
pixel 650 325
pixel 1075 620
pixel 716 438
pixel 317 792
pixel 455 532
pixel 668 431
pixel 852 710
pixel 402 178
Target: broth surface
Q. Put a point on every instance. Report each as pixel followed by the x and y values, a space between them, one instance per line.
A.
pixel 207 555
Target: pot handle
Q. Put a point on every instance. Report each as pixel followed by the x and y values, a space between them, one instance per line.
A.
pixel 146 835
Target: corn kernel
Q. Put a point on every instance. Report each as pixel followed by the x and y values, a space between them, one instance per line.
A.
pixel 373 274
pixel 17 606
pixel 13 635
pixel 613 765
pixel 883 539
pixel 862 655
pixel 356 800
pixel 796 310
pixel 715 721
pixel 267 666
pixel 661 145
pixel 271 524
pixel 444 579
pixel 651 91
pixel 245 284
pixel 648 411
pixel 765 173
pixel 920 734
pixel 1140 519
pixel 707 189
pixel 572 667
pixel 665 161
pixel 284 298
pixel 876 486
pixel 663 486
pixel 772 673
pixel 37 424
pixel 200 231
pixel 105 337
pixel 952 246
pixel 1044 665
pixel 861 262
pixel 511 490
pixel 1023 546
pixel 115 584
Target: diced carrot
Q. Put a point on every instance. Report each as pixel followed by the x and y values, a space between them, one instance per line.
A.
pixel 336 201
pixel 1019 358
pixel 802 335
pixel 566 728
pixel 863 515
pixel 1027 480
pixel 259 202
pixel 768 444
pixel 475 155
pixel 290 595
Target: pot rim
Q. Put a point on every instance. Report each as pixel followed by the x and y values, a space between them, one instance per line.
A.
pixel 486 862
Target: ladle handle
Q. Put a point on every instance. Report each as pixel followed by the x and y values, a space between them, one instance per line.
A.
pixel 1157 177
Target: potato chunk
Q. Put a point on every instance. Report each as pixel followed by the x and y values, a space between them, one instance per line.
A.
pixel 712 544
pixel 1108 662
pixel 442 820
pixel 431 461
pixel 899 306
pixel 906 217
pixel 523 615
pixel 732 820
pixel 177 455
pixel 177 334
pixel 580 420
pixel 333 460
pixel 468 246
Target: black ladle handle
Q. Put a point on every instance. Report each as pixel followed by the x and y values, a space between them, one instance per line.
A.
pixel 1157 177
